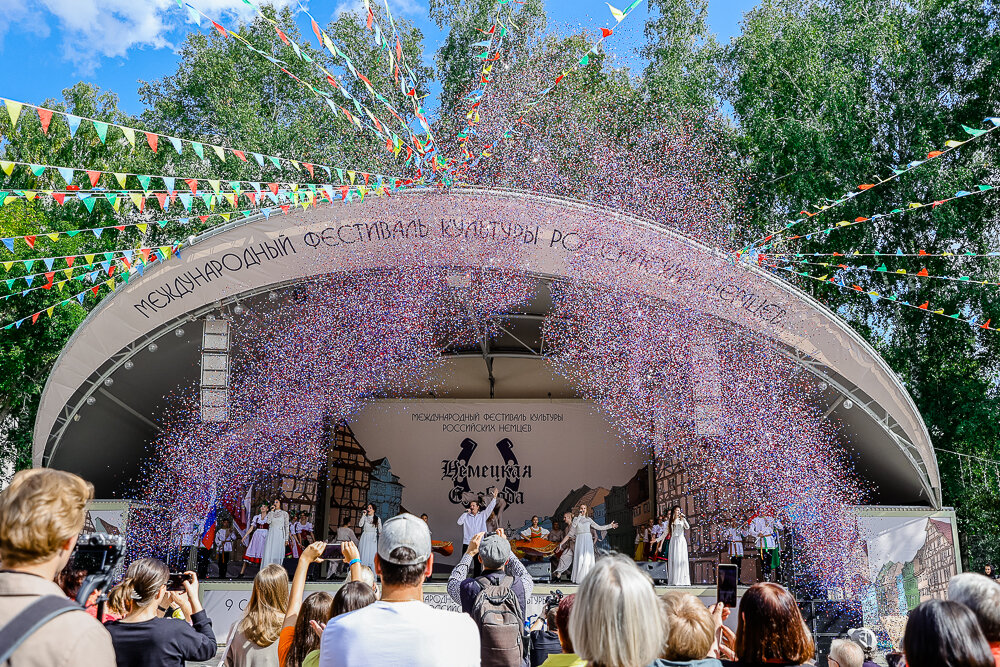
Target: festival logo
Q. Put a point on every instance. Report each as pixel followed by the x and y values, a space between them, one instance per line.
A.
pixel 461 469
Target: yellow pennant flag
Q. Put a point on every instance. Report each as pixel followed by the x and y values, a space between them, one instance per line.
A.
pixel 116 204
pixel 30 195
pixel 214 184
pixel 951 143
pixel 7 167
pixel 136 198
pixel 49 310
pixel 121 179
pixel 13 110
pixel 54 236
pixel 351 175
pixel 617 13
pixel 7 266
pixel 296 165
pixel 129 135
pixel 141 227
pixel 68 272
pixel 61 284
pixel 218 151
pixel 231 198
pixel 225 216
pixel 110 283
pixel 165 250
pixel 89 258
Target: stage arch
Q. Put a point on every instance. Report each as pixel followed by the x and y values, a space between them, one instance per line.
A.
pixel 247 259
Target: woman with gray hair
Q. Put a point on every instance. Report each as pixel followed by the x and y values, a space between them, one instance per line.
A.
pixel 618 619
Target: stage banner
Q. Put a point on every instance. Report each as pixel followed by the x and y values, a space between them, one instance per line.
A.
pixel 432 457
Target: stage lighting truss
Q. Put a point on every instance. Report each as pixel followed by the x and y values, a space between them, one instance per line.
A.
pixel 215 371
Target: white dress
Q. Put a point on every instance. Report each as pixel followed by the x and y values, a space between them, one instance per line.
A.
pixel 583 552
pixel 293 541
pixel 277 538
pixel 678 573
pixel 370 527
pixel 255 549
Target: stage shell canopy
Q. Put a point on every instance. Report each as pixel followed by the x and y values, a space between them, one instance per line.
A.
pixel 152 324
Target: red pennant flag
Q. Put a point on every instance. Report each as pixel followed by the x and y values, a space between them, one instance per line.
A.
pixel 310 168
pixel 331 80
pixel 924 305
pixel 371 17
pixel 120 228
pixel 986 325
pixel 315 28
pixel 560 78
pixel 145 252
pixel 939 201
pixel 59 197
pixel 94 177
pixel 30 240
pixel 111 269
pixel 933 154
pixel 152 140
pixel 858 288
pixel 222 31
pixel 162 198
pixel 367 176
pixel 282 36
pixel 95 288
pixel 860 219
pixel 273 187
pixel 922 272
pixel 142 204
pixel 240 154
pixel 252 196
pixel 866 186
pixel 34 318
pixel 69 261
pixel 284 208
pixel 923 252
pixel 45 116
pixel 606 32
pixel 193 184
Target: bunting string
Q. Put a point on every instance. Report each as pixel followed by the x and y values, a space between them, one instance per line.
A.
pixel 950 145
pixel 912 206
pixel 153 139
pixel 375 127
pixel 126 256
pixel 570 68
pixel 875 296
pixel 922 273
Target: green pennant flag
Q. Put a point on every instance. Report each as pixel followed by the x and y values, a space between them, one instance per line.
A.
pixel 974 132
pixel 585 60
pixel 145 181
pixel 275 161
pixel 102 130
pixel 199 149
pixel 89 203
pixel 36 169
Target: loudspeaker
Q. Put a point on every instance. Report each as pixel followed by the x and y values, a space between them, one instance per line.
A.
pixel 540 571
pixel 655 569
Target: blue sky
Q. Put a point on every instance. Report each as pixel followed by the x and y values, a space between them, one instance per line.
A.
pixel 48 45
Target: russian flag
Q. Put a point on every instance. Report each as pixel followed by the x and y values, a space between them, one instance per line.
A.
pixel 208 532
pixel 241 513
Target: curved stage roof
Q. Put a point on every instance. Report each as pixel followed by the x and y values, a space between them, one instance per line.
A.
pixel 250 259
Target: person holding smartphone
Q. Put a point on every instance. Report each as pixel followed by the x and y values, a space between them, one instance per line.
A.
pixel 145 639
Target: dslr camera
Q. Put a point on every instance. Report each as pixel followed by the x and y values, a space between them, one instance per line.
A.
pixel 553 600
pixel 98 554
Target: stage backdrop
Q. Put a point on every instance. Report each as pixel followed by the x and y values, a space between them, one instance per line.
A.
pixel 545 457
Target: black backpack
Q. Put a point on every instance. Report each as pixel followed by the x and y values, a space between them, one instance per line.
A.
pixel 501 623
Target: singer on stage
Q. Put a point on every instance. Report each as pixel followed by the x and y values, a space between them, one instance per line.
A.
pixel 472 522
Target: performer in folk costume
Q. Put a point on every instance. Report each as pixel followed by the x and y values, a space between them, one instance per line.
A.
pixel 473 521
pixel 733 535
pixel 370 526
pixel 661 533
pixel 534 531
pixel 643 538
pixel 306 535
pixel 567 544
pixel 763 528
pixel 276 545
pixel 678 572
pixel 255 539
pixel 294 545
pixel 583 552
pixel 225 537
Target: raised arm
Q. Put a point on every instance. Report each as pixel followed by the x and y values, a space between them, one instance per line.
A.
pixel 491 505
pixel 515 568
pixel 461 518
pixel 310 555
pixel 461 571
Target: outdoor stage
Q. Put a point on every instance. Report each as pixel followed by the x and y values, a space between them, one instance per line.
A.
pixel 225 600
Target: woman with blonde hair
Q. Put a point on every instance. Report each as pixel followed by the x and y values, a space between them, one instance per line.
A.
pixel 253 641
pixel 617 618
pixel 143 637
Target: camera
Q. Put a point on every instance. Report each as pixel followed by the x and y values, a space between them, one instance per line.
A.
pixel 97 554
pixel 553 600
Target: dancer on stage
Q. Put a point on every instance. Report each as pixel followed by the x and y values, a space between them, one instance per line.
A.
pixel 660 532
pixel 567 543
pixel 225 537
pixel 277 536
pixel 583 552
pixel 472 522
pixel 762 529
pixel 678 573
pixel 534 531
pixel 294 544
pixel 734 545
pixel 371 526
pixel 306 536
pixel 643 536
pixel 255 539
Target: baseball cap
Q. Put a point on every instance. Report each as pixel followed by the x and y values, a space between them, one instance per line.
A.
pixel 405 530
pixel 863 637
pixel 494 551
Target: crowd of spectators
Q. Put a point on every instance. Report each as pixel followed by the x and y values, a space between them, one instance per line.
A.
pixel 615 619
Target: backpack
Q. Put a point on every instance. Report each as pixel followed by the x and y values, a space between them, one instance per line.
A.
pixel 501 623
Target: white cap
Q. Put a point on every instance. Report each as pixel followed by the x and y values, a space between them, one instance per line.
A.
pixel 863 637
pixel 405 530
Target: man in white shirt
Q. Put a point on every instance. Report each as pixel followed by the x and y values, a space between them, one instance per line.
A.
pixel 472 522
pixel 763 529
pixel 225 537
pixel 400 629
pixel 733 535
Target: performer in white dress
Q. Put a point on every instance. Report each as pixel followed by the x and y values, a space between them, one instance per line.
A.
pixel 763 528
pixel 277 535
pixel 370 526
pixel 293 538
pixel 255 539
pixel 678 572
pixel 734 545
pixel 583 552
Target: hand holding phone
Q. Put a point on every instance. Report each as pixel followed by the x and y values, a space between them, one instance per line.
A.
pixel 175 582
pixel 726 582
pixel 332 551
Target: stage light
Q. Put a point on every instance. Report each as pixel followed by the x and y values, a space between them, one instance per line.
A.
pixel 108 382
pixel 153 347
pixel 91 400
pixel 272 296
pixel 238 309
pixel 848 404
pixel 76 417
pixel 129 365
pixel 821 386
pixel 179 332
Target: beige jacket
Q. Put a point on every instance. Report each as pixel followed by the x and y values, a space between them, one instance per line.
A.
pixel 74 638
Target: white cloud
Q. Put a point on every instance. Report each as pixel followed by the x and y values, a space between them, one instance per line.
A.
pixel 95 29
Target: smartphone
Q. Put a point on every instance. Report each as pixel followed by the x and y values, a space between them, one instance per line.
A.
pixel 332 552
pixel 175 582
pixel 725 582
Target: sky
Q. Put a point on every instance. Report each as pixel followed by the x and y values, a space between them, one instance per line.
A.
pixel 48 45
